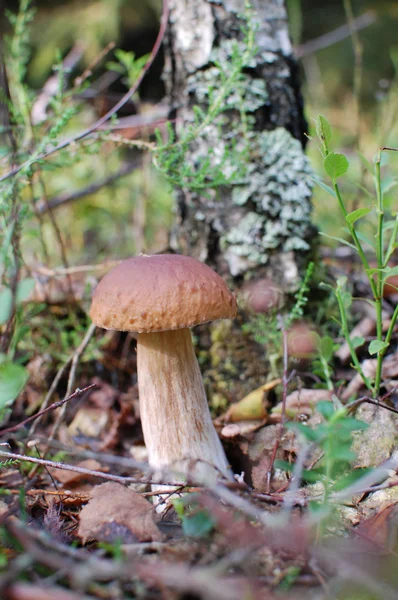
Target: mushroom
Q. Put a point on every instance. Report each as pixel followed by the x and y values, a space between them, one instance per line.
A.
pixel 160 297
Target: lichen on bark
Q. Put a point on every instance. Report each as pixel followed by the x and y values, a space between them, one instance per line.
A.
pixel 261 219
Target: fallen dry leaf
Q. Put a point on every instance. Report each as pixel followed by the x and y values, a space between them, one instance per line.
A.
pixel 71 478
pixel 253 406
pixel 118 513
pixel 300 402
pixel 390 371
pixel 232 430
pixel 90 422
pixel 363 329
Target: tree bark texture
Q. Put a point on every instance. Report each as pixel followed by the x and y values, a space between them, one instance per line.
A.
pixel 259 226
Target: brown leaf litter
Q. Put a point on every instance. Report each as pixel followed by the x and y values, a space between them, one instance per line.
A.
pixel 115 512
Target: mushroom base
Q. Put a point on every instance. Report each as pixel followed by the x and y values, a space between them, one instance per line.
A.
pixel 176 422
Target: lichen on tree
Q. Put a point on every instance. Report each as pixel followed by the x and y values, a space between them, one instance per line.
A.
pixel 252 210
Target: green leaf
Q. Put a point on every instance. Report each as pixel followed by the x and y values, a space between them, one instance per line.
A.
pixel 12 380
pixel 198 524
pixel 324 131
pixel 338 239
pixel 24 289
pixel 347 480
pixel 324 186
pixel 325 408
pixel 390 271
pixel 326 347
pixel 311 476
pixel 365 239
pixel 351 424
pixel 342 453
pixel 386 186
pixel 377 346
pixel 373 271
pixel 335 165
pixel 313 435
pixel 5 305
pixel 283 465
pixel 366 163
pixel 358 341
pixel 357 214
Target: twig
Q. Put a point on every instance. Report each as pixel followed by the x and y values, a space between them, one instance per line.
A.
pixel 89 70
pixel 112 111
pixel 290 497
pixel 79 392
pixel 28 591
pixel 72 376
pixel 50 88
pixel 89 472
pixel 50 392
pixel 87 191
pixel 368 400
pixel 71 383
pixel 337 35
pixel 285 382
pixel 60 271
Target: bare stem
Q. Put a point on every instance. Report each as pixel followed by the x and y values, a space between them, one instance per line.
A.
pixel 175 416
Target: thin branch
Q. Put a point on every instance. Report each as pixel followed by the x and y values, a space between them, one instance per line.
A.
pixel 377 403
pixel 72 375
pixel 337 35
pixel 285 382
pixel 89 70
pixel 83 134
pixel 87 191
pixel 89 472
pixel 79 392
pixel 50 393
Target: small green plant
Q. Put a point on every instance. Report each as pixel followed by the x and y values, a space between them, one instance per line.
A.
pixel 382 245
pixel 321 365
pixel 334 438
pixel 127 64
pixel 217 168
pixel 266 329
pixel 196 522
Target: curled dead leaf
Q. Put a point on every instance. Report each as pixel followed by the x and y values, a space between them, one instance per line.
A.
pixel 253 406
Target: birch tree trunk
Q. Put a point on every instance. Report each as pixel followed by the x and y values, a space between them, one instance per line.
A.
pixel 260 226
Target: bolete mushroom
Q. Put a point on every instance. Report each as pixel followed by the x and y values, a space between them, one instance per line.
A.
pixel 160 297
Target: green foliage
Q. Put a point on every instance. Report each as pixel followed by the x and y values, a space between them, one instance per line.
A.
pixel 20 194
pixel 334 438
pixel 321 365
pixel 12 379
pixel 196 522
pixel 226 91
pixel 127 64
pixel 266 329
pixel 335 165
pixel 114 549
pixel 386 235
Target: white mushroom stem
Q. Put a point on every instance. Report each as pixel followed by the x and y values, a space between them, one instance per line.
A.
pixel 177 426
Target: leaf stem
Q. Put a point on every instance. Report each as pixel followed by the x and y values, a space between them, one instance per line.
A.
pixel 379 274
pixel 346 333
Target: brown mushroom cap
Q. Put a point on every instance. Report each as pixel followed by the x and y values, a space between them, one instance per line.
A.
pixel 146 294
